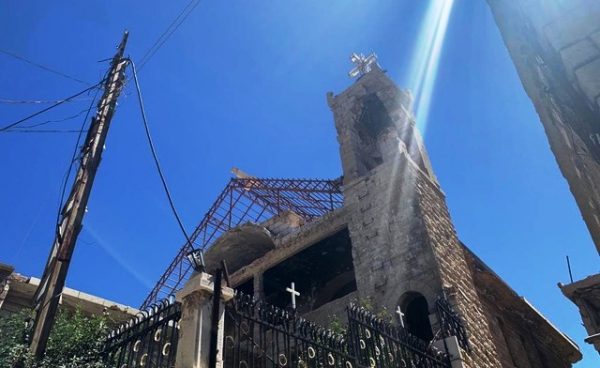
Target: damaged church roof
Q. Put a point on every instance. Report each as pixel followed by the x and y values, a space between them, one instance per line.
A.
pixel 248 199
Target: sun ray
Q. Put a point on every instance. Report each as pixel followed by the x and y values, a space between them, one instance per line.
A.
pixel 426 58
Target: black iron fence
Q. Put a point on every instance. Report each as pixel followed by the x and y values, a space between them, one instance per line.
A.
pixel 450 323
pixel 148 340
pixel 377 343
pixel 261 335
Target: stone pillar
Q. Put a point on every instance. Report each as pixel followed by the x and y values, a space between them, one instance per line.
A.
pixel 193 348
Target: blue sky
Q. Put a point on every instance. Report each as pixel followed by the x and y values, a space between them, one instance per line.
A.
pixel 243 84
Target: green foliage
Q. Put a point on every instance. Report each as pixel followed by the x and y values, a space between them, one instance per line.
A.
pixel 367 303
pixel 75 342
pixel 336 325
pixel 12 335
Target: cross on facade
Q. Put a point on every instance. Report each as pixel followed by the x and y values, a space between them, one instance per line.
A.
pixel 400 316
pixel 362 64
pixel 294 293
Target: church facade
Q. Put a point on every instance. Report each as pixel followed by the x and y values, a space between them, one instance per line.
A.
pixel 390 245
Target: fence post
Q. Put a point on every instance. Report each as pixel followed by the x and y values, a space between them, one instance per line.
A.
pixel 451 346
pixel 193 348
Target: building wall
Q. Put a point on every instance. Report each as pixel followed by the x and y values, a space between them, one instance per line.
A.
pixel 555 46
pixel 402 236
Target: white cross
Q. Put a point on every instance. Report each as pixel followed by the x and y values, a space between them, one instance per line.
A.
pixel 363 64
pixel 292 290
pixel 400 316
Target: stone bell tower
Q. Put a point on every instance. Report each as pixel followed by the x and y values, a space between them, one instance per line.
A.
pixel 403 241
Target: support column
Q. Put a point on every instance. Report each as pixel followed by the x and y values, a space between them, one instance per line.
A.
pixel 193 348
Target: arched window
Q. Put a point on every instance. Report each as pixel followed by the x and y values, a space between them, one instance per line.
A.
pixel 416 315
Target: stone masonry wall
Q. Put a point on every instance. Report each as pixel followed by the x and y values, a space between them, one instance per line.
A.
pixel 555 46
pixel 517 347
pixel 402 237
pixel 455 273
pixel 388 238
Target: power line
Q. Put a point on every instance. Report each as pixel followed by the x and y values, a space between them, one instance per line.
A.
pixel 49 121
pixel 33 102
pixel 8 126
pixel 43 67
pixel 181 17
pixel 155 156
pixel 46 131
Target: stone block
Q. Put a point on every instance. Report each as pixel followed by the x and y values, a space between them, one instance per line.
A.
pixel 579 54
pixel 588 77
pixel 572 27
pixel 595 37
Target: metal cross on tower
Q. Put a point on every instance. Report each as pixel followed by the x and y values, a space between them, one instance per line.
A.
pixel 362 64
pixel 400 316
pixel 292 290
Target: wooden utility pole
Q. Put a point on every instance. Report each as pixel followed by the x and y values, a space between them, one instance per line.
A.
pixel 51 286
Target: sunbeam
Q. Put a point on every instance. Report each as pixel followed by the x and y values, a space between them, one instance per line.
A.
pixel 426 58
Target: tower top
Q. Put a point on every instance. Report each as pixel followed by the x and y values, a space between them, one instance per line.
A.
pixel 363 64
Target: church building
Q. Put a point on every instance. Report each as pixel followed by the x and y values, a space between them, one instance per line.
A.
pixel 380 235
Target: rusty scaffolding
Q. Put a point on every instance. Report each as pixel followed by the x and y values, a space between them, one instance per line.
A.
pixel 249 200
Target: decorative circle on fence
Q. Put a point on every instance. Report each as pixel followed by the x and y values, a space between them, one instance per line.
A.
pixel 143 360
pixel 229 342
pixel 158 335
pixel 137 345
pixel 377 351
pixel 362 344
pixel 330 359
pixel 282 360
pixel 243 364
pixel 166 349
pixel 372 362
pixel 367 333
pixel 311 352
pixel 348 364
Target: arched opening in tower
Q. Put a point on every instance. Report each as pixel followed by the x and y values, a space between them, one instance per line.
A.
pixel 417 316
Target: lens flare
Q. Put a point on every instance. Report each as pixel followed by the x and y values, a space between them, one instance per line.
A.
pixel 426 58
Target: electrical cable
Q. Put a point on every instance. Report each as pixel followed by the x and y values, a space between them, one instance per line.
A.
pixel 32 102
pixel 8 126
pixel 46 131
pixel 169 31
pixel 12 54
pixel 48 122
pixel 155 157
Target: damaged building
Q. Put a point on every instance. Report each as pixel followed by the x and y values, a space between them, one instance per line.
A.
pixel 382 233
pixel 555 47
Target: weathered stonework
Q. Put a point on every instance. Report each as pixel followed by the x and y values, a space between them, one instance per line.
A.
pixel 555 46
pixel 403 238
